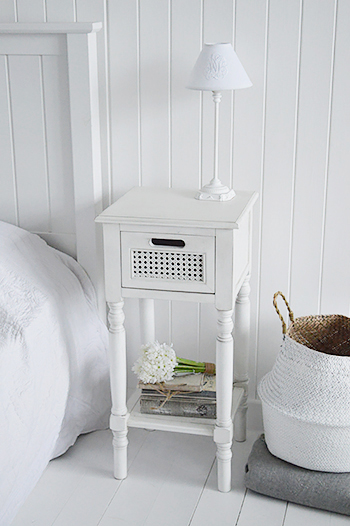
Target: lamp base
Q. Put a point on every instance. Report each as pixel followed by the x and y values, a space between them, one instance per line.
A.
pixel 215 191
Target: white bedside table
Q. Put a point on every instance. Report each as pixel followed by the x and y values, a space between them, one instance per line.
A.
pixel 164 244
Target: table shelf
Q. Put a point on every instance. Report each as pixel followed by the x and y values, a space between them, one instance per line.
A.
pixel 178 424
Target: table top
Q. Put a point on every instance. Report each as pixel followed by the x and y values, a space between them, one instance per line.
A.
pixel 170 206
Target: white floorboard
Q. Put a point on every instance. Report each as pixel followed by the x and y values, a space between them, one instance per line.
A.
pixel 171 481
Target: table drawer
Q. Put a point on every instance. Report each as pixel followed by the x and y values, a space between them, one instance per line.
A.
pixel 183 263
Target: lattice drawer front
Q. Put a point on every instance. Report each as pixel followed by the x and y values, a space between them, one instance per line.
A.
pixel 182 263
pixel 166 265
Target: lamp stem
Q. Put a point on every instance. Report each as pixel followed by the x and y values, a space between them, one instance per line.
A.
pixel 215 190
pixel 217 99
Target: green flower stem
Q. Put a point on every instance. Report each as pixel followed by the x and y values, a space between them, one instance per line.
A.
pixel 190 366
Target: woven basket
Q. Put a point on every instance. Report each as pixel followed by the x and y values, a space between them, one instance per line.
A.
pixel 306 396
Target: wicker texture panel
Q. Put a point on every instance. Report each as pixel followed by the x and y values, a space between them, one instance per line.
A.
pixel 167 265
pixel 329 334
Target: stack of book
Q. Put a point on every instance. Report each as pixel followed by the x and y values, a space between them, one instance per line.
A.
pixel 193 395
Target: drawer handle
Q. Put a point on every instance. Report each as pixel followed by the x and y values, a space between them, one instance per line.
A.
pixel 167 242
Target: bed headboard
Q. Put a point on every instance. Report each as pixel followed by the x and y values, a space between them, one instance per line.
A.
pixel 50 137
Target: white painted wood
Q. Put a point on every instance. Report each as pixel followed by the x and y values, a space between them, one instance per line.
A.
pixel 311 161
pixel 125 101
pixel 154 36
pixel 165 206
pixel 186 117
pixel 91 11
pixel 58 144
pixel 223 432
pixel 185 330
pixel 207 332
pixel 226 507
pixel 258 509
pixel 335 285
pixel 224 278
pixel 62 11
pixel 34 11
pixel 32 44
pixel 279 157
pixel 150 207
pixel 8 194
pixel 77 488
pixel 86 151
pixel 74 488
pixel 241 356
pixel 162 480
pixel 192 426
pixel 248 139
pixel 297 514
pixel 29 142
pixel 50 27
pixel 198 254
pixel 163 295
pixel 118 421
pixel 147 324
pixel 8 11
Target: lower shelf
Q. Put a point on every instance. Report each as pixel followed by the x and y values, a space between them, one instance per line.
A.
pixel 193 426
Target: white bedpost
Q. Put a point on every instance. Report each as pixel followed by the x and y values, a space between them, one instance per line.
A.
pixel 86 152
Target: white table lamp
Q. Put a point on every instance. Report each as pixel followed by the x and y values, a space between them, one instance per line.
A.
pixel 217 68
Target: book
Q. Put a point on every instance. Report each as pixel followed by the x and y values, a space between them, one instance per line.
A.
pixel 188 383
pixel 178 406
pixel 177 401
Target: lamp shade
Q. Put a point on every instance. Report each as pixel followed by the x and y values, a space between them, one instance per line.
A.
pixel 218 68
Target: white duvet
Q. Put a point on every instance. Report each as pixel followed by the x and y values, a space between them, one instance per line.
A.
pixel 53 361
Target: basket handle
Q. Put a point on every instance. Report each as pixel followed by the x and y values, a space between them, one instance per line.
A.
pixel 291 315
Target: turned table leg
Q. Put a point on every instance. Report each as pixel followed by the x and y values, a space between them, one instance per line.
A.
pixel 119 416
pixel 147 325
pixel 224 378
pixel 241 361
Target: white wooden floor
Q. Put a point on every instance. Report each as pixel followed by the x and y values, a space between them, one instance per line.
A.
pixel 171 482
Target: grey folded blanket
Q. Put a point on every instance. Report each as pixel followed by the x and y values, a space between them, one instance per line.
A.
pixel 272 476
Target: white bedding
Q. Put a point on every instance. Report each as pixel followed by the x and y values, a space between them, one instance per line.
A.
pixel 53 361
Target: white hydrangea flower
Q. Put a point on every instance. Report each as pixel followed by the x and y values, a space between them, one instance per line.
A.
pixel 156 363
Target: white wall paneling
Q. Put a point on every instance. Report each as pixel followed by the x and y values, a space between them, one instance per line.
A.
pixel 280 100
pixel 251 37
pixel 311 153
pixel 286 137
pixel 335 261
pixel 62 11
pixel 154 37
pixel 8 11
pixel 33 11
pixel 29 142
pixel 8 194
pixel 123 42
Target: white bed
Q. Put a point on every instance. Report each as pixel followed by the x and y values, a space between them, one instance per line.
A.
pixel 53 341
pixel 53 361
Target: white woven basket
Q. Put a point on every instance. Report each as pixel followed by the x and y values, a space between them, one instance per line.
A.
pixel 306 407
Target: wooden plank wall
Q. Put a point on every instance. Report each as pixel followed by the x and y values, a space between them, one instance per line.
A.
pixel 286 137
